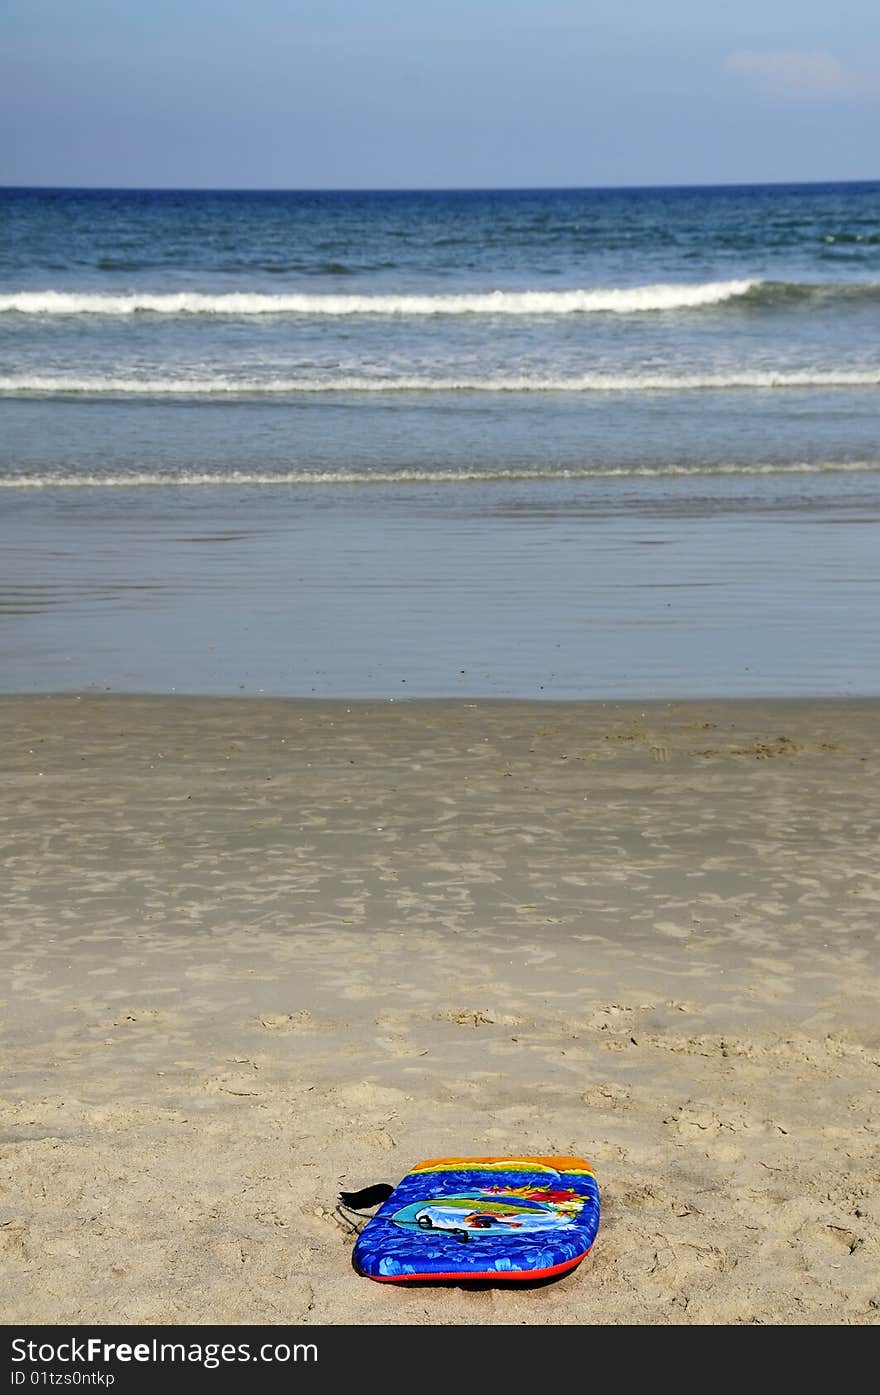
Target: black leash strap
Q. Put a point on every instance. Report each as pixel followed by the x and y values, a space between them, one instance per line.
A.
pixel 352 1206
pixel 367 1197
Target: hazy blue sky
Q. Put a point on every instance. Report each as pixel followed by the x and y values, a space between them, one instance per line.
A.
pixel 415 93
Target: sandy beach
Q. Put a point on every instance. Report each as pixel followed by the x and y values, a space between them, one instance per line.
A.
pixel 255 951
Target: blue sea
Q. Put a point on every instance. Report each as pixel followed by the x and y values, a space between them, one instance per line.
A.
pixel 551 443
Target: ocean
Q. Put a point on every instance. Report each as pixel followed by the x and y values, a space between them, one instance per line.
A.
pixel 563 443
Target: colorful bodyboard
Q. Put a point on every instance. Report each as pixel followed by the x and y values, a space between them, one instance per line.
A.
pixel 482 1218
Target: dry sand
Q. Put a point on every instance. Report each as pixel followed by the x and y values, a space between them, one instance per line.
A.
pixel 255 951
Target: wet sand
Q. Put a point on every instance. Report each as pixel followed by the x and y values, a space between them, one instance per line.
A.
pixel 254 951
pixel 537 590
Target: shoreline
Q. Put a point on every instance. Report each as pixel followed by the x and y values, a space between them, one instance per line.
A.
pixel 258 949
pixel 454 700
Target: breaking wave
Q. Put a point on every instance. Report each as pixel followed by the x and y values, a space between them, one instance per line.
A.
pixel 197 479
pixel 224 386
pixel 610 300
pixel 619 300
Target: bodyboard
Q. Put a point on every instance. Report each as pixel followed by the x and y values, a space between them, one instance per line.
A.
pixel 482 1218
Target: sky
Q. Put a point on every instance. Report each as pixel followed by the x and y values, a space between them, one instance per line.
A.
pixel 437 93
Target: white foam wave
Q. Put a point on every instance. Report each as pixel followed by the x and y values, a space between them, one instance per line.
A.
pixel 612 300
pixel 196 479
pixel 97 385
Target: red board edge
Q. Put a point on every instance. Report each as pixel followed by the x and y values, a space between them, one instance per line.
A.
pixel 496 1275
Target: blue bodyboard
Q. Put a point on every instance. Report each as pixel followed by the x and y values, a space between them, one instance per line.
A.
pixel 482 1219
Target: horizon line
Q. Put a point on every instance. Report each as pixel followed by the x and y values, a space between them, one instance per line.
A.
pixel 423 189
